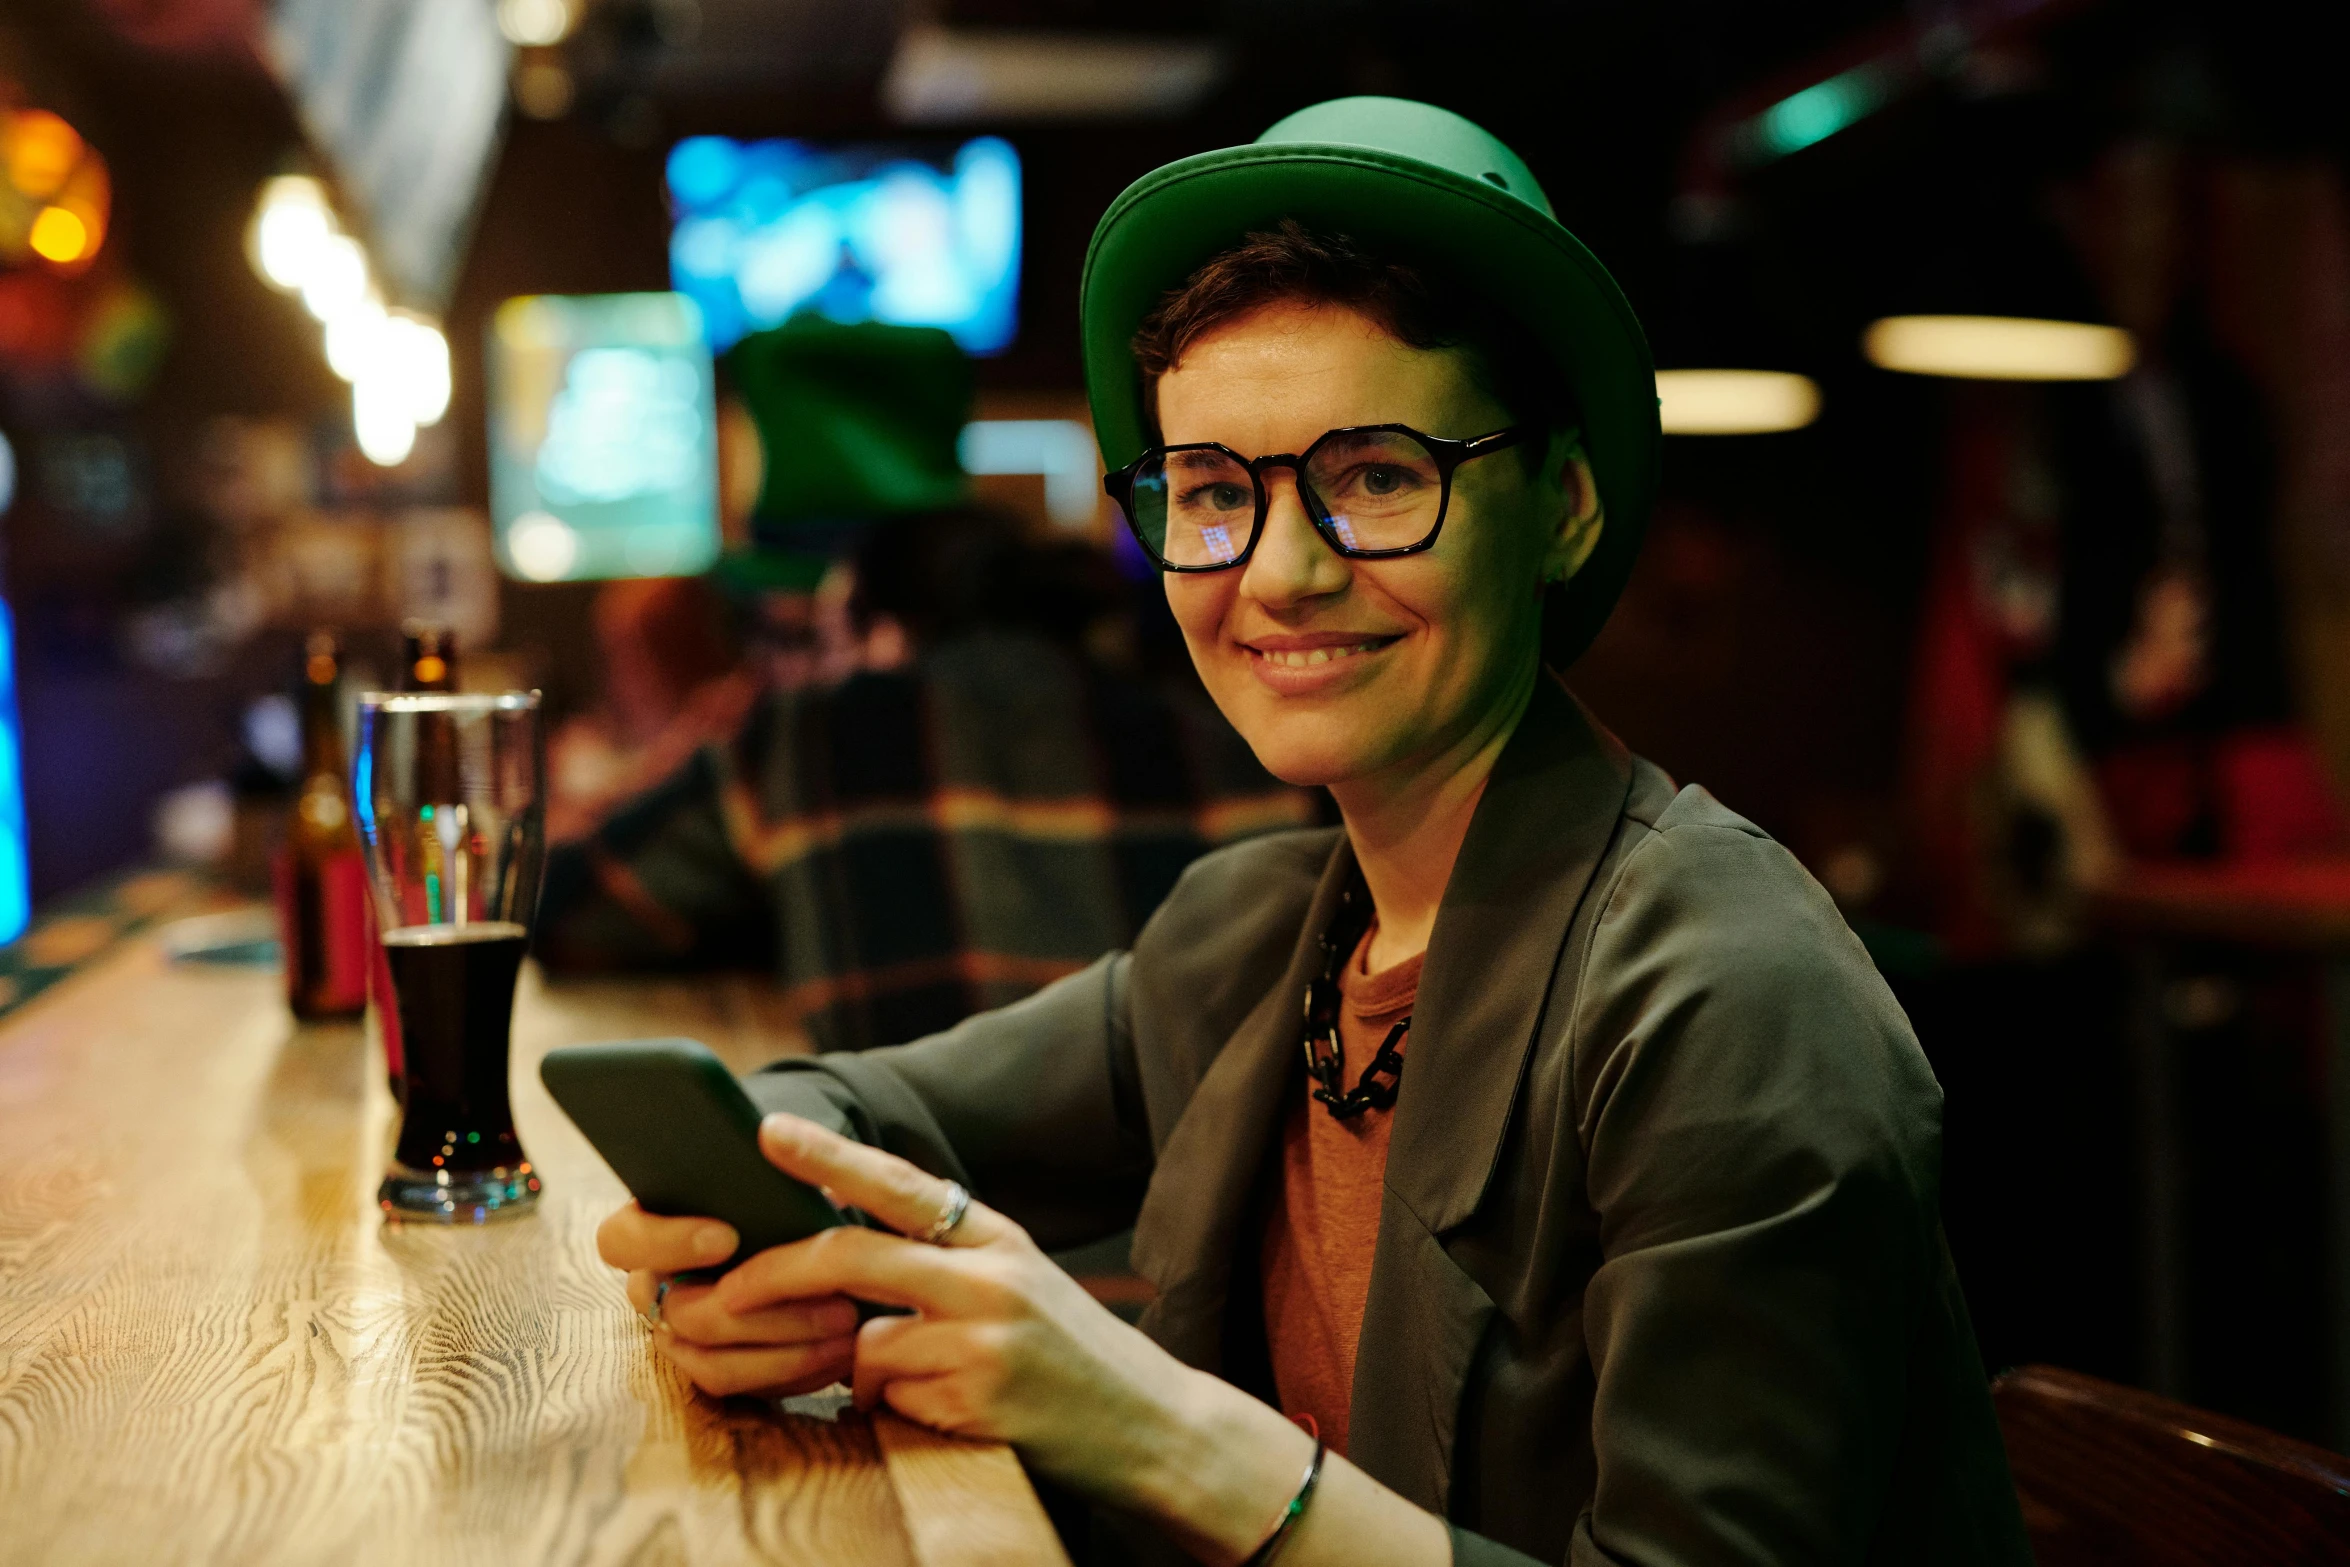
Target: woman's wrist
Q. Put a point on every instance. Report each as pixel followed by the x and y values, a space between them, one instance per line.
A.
pixel 1221 1470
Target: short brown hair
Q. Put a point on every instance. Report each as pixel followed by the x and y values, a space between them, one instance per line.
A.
pixel 1411 303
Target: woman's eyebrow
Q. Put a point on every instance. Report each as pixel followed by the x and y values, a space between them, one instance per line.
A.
pixel 1197 461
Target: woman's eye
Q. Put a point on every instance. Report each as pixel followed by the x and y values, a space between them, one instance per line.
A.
pixel 1378 481
pixel 1219 497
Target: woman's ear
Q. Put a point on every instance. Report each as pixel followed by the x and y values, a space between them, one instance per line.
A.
pixel 1581 516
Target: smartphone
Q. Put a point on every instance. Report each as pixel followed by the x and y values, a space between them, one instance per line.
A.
pixel 671 1120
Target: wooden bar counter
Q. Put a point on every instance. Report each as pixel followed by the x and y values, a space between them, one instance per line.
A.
pixel 213 1348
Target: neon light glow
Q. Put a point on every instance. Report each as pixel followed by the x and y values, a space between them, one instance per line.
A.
pixel 1811 116
pixel 15 881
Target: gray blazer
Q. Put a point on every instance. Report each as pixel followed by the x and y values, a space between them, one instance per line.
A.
pixel 1659 1276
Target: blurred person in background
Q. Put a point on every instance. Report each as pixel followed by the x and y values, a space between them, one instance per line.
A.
pixel 1589 1211
pixel 918 796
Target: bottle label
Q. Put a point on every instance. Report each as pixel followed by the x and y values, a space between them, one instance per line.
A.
pixel 342 888
pixel 323 928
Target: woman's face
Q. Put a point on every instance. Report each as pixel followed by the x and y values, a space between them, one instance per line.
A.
pixel 1335 670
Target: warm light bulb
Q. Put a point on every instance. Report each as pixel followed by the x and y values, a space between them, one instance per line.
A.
pixel 335 282
pixel 289 231
pixel 41 150
pixel 379 419
pixel 58 235
pixel 419 360
pixel 1999 348
pixel 534 24
pixel 355 340
pixel 1735 402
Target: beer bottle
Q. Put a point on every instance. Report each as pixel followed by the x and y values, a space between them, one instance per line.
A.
pixel 428 657
pixel 321 879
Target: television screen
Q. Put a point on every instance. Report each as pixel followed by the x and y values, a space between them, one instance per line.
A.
pixel 918 236
pixel 603 437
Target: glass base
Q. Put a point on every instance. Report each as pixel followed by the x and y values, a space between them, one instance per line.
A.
pixel 458 1196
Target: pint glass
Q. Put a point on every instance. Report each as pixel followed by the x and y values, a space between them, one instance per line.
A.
pixel 450 792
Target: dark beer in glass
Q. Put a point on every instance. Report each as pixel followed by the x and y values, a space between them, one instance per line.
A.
pixel 450 790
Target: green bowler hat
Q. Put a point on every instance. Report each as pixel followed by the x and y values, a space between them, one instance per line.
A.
pixel 1435 187
pixel 856 422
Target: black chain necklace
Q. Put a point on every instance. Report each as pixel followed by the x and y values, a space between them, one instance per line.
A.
pixel 1325 1057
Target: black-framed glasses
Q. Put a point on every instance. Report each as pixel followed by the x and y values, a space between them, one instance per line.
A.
pixel 1372 490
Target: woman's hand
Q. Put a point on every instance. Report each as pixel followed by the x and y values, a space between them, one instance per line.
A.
pixel 1002 1345
pixel 791 1347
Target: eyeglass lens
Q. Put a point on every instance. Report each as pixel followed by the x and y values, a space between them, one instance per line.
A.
pixel 1374 490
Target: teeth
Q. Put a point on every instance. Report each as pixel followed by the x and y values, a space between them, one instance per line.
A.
pixel 1305 658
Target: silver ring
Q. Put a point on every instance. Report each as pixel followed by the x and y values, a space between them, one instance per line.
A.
pixel 652 1313
pixel 958 1204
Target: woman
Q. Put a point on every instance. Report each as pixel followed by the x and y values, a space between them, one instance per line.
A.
pixel 1590 1215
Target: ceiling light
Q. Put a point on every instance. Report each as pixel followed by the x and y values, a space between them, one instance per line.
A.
pixel 946 75
pixel 335 282
pixel 418 360
pixel 380 421
pixel 290 221
pixel 1735 402
pixel 354 339
pixel 1999 348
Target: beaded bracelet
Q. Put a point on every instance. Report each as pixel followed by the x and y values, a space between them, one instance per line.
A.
pixel 1287 1522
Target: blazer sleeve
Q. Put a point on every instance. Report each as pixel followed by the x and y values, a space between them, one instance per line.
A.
pixel 1761 1136
pixel 1036 1107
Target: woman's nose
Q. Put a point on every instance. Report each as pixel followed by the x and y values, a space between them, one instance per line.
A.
pixel 1292 562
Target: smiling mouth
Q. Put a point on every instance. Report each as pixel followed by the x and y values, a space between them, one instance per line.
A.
pixel 1308 657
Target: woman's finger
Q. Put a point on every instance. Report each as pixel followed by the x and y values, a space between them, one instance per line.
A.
pixel 892 1349
pixel 867 1265
pixel 776 1372
pixel 704 1318
pixel 903 1196
pixel 630 1238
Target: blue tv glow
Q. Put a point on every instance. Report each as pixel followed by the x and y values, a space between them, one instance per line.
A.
pixel 603 437
pixel 16 895
pixel 907 235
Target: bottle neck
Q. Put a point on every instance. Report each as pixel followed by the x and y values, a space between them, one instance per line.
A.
pixel 322 732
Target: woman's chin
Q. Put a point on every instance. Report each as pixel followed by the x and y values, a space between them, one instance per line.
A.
pixel 1316 761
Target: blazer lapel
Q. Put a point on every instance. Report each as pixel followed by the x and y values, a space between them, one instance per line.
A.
pixel 1546 819
pixel 1187 1236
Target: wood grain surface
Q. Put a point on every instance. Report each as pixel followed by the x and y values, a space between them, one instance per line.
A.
pixel 213 1349
pixel 967 1503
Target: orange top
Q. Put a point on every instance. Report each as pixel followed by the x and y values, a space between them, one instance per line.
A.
pixel 1320 1230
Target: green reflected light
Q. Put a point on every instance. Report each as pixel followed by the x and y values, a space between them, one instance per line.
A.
pixel 1812 115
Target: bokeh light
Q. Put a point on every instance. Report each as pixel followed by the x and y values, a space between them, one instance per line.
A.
pixel 290 224
pixel 41 153
pixel 1735 402
pixel 534 24
pixel 1999 348
pixel 58 235
pixel 381 423
pixel 336 281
